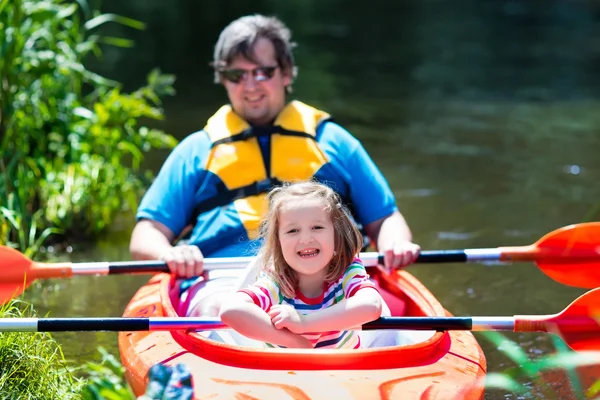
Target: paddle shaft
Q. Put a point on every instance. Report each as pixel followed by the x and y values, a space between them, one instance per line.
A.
pixel 191 323
pixel 568 255
pixel 369 259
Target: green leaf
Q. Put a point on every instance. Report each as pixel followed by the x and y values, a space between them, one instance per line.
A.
pixel 35 246
pixel 85 7
pixel 101 113
pixel 3 4
pixel 593 390
pixel 569 360
pixel 10 216
pixel 99 80
pixel 84 113
pixel 133 150
pixel 104 18
pixel 111 394
pixel 67 11
pixel 40 10
pixel 117 42
pixel 513 351
pixel 87 46
pixel 503 382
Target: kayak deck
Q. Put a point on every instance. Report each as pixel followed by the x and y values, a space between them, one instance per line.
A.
pixel 446 365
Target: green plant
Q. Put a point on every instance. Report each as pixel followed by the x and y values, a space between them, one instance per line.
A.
pixel 20 225
pixel 526 369
pixel 105 380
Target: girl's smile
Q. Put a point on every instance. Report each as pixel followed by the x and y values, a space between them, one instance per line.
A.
pixel 306 253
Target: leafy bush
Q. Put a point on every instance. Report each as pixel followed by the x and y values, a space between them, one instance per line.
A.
pixel 106 380
pixel 71 142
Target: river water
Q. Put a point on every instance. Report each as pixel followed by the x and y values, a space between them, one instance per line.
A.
pixel 482 115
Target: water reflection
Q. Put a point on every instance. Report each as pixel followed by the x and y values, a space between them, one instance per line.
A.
pixel 483 116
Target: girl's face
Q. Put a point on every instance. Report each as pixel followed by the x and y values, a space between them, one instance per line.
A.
pixel 306 236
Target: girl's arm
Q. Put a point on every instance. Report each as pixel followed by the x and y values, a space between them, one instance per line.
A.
pixel 363 307
pixel 251 321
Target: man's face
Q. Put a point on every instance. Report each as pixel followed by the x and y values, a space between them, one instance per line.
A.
pixel 260 94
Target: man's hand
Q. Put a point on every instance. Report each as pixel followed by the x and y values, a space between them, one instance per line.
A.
pixel 399 254
pixel 184 261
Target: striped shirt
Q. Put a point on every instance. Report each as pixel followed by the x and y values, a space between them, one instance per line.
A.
pixel 266 292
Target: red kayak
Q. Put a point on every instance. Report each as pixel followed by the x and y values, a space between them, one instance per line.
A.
pixel 399 365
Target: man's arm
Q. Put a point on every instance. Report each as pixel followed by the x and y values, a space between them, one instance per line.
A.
pixel 166 207
pixel 393 238
pixel 373 200
pixel 394 226
pixel 150 240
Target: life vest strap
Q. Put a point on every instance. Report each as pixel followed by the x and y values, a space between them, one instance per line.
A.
pixel 257 131
pixel 227 196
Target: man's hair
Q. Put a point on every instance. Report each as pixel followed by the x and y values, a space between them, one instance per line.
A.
pixel 238 39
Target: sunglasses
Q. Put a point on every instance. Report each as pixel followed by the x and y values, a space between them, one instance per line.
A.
pixel 259 74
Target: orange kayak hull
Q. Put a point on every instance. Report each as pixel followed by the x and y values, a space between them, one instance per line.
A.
pixel 448 365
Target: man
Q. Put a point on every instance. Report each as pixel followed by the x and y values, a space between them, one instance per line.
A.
pixel 216 180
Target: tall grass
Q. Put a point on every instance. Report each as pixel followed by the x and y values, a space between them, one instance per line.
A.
pixel 32 365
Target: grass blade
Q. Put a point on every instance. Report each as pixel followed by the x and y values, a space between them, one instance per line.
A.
pixel 85 7
pixel 117 42
pixel 503 382
pixel 104 18
pixel 572 360
pixel 513 351
pixel 3 4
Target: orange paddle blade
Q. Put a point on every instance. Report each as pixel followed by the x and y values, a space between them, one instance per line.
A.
pixel 18 272
pixel 9 291
pixel 15 276
pixel 578 324
pixel 571 255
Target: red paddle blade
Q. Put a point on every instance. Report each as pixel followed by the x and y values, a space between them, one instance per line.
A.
pixel 14 275
pixel 571 255
pixel 9 291
pixel 579 323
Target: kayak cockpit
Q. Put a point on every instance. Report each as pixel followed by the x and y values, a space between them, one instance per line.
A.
pixel 208 291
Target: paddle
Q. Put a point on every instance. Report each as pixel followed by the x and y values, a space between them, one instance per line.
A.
pixel 568 255
pixel 576 324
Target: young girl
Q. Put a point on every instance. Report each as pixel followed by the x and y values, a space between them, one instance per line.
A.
pixel 313 290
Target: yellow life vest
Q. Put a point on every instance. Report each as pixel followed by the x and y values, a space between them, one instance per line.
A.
pixel 235 157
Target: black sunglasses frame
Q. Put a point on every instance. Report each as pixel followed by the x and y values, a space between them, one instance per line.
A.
pixel 259 74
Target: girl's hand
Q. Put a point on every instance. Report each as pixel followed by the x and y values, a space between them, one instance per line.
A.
pixel 284 316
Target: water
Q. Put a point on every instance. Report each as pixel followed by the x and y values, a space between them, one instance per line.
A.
pixel 482 115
